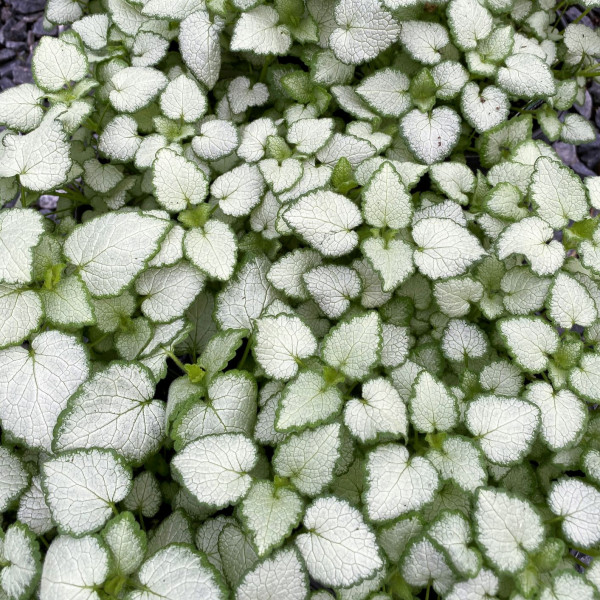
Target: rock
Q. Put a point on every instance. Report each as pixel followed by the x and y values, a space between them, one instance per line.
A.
pixel 15 31
pixel 582 170
pixel 5 83
pixel 6 55
pixel 6 70
pixel 589 154
pixel 566 152
pixel 574 13
pixel 18 47
pixel 32 18
pixel 48 202
pixel 595 91
pixel 26 7
pixel 586 109
pixel 597 118
pixel 39 31
pixel 21 74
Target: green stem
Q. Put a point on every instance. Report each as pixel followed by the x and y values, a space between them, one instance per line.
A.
pixel 263 71
pixel 73 195
pixel 579 562
pixel 594 553
pixel 92 126
pixel 102 337
pixel 591 73
pixel 175 359
pixel 560 16
pixel 427 592
pixel 584 14
pixel 554 520
pixel 245 354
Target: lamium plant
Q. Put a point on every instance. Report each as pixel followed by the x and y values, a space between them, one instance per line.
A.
pixel 317 314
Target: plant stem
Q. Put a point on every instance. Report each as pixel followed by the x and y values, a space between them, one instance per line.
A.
pixel 245 354
pixel 102 337
pixel 560 16
pixel 594 553
pixel 582 15
pixel 174 359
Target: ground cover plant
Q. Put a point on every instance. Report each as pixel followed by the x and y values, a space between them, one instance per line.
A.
pixel 316 316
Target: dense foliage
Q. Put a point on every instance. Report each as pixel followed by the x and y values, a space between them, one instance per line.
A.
pixel 315 315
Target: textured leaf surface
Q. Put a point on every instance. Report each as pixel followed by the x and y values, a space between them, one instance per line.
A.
pixel 81 486
pixel 116 243
pixel 246 296
pixel 169 291
pixel 35 385
pixel 199 43
pixel 385 200
pixel 20 107
pixel 460 461
pixel 432 406
pixel 424 564
pixel 41 159
pixel 340 550
pixel 562 414
pixel 364 30
pixel 431 136
pixel 557 193
pixel 215 469
pixel 23 313
pixel 533 238
pixel 526 76
pixel 281 575
pixel 393 260
pixel 326 220
pixel 57 63
pixel 397 483
pixel 507 528
pixel 14 478
pixel 239 190
pixel 281 343
pixel 505 426
pixel 16 258
pixel 308 458
pixel 570 303
pixel 578 503
pixel 73 567
pixel 114 409
pixel 530 341
pixel 178 182
pixel 270 514
pixel 177 573
pixel 380 411
pixel 444 248
pixel 135 87
pixel 229 408
pixel 305 401
pixel 126 541
pixel 332 288
pixel 353 347
pixel 21 558
pixel 258 30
